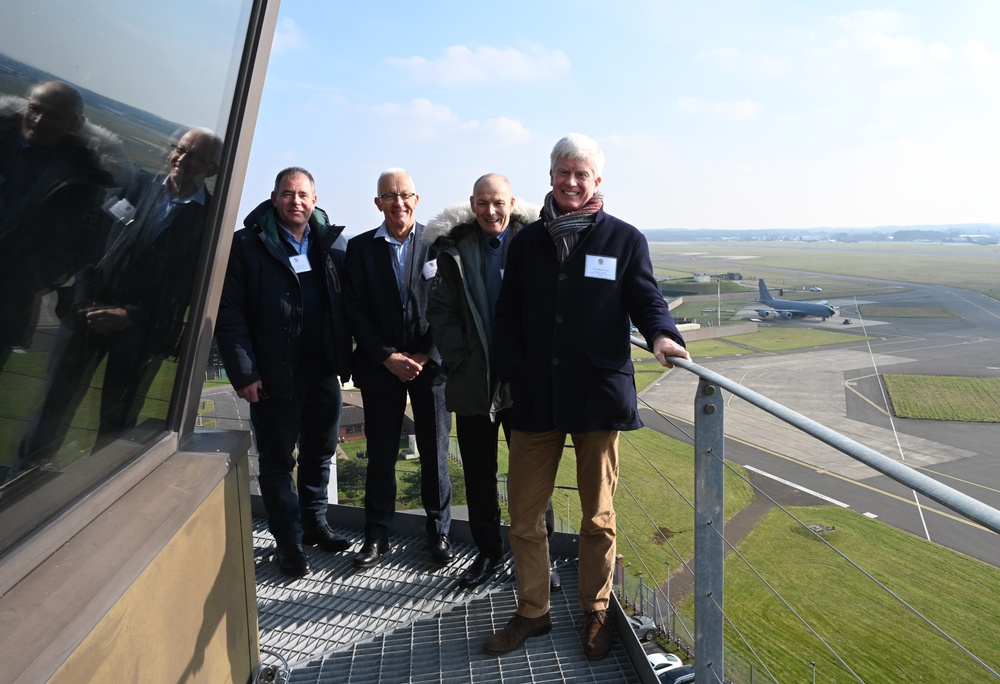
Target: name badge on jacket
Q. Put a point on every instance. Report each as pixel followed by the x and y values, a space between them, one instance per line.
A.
pixel 602 267
pixel 430 269
pixel 300 262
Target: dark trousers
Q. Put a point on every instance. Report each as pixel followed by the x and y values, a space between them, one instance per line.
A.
pixel 383 428
pixel 74 358
pixel 311 420
pixel 477 440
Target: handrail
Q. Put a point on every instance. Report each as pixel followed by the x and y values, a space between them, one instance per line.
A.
pixel 962 504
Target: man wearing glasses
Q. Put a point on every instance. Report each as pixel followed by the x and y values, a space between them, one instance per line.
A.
pixel 389 273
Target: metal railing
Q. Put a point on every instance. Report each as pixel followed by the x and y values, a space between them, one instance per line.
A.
pixel 709 442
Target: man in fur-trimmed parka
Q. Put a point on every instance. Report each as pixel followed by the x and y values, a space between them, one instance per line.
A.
pixel 54 169
pixel 472 243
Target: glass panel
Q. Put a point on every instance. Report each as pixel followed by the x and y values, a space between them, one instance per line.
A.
pixel 111 114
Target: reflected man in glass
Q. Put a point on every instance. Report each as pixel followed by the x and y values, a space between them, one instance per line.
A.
pixel 54 169
pixel 129 308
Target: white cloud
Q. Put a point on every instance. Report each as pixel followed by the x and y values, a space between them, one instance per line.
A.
pixel 984 66
pixel 422 119
pixel 740 110
pixel 872 36
pixel 765 67
pixel 287 36
pixel 461 66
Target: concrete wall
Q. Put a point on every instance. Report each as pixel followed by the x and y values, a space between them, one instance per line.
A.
pixel 159 588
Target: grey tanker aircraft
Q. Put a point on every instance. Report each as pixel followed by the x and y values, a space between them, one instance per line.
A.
pixel 781 308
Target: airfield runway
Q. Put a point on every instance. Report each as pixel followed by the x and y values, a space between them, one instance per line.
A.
pixel 838 387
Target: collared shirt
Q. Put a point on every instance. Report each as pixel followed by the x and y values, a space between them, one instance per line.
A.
pixel 493 266
pixel 299 247
pixel 168 208
pixel 401 262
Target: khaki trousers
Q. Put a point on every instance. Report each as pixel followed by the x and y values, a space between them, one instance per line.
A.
pixel 534 461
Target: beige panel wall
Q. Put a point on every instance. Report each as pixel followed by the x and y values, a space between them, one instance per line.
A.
pixel 186 618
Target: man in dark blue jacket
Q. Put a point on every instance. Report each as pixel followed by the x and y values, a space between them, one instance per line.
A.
pixel 389 272
pixel 285 344
pixel 573 281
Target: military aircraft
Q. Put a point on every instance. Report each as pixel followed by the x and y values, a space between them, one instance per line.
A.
pixel 781 308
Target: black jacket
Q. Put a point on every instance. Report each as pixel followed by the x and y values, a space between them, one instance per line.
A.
pixel 375 307
pixel 260 315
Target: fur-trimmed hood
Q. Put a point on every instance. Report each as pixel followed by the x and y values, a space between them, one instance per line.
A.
pixel 105 145
pixel 441 227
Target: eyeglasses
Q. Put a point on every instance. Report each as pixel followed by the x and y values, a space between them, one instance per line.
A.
pixel 390 197
pixel 182 151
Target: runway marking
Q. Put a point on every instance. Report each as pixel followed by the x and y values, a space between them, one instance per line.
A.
pixel 848 383
pixel 870 515
pixel 798 487
pixel 843 478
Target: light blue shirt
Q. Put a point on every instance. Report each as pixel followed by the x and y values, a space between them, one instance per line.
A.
pixel 300 247
pixel 401 262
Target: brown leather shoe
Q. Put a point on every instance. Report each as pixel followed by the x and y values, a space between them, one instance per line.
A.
pixel 597 635
pixel 516 632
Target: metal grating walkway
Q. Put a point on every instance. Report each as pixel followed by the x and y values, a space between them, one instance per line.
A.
pixel 404 621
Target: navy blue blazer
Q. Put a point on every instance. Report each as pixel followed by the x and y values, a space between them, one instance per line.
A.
pixel 562 330
pixel 375 308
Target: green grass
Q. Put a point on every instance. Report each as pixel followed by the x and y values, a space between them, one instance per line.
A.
pixel 656 475
pixel 872 311
pixel 874 633
pixel 778 338
pixel 22 387
pixel 972 267
pixel 706 349
pixel 939 397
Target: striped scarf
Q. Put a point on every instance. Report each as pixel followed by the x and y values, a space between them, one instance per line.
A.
pixel 565 229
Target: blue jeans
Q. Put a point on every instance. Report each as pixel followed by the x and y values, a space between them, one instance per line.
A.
pixel 311 419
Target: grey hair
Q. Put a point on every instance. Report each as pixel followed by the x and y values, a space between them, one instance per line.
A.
pixel 578 147
pixel 393 171
pixel 293 171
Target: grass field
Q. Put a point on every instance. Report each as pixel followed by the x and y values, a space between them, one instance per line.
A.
pixel 876 635
pixel 957 265
pixel 22 387
pixel 938 397
pixel 777 338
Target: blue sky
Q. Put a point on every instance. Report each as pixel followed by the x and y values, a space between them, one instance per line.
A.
pixel 712 115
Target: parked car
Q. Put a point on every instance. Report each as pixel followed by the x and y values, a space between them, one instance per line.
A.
pixel 677 675
pixel 815 288
pixel 663 662
pixel 643 627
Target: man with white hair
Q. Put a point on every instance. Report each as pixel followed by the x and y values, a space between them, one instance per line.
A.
pixel 389 272
pixel 574 281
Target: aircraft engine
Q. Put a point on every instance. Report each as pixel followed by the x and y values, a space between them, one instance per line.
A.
pixel 786 315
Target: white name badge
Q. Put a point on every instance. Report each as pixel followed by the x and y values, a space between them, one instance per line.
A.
pixel 300 262
pixel 430 269
pixel 602 267
pixel 121 210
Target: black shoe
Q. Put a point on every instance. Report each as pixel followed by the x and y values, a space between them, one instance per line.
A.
pixel 325 538
pixel 292 560
pixel 481 570
pixel 555 582
pixel 369 554
pixel 440 547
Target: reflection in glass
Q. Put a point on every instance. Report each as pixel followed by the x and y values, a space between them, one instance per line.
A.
pixel 104 201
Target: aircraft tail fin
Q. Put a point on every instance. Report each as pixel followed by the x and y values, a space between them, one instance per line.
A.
pixel 765 294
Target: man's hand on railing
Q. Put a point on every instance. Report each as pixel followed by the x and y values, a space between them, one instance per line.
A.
pixel 663 347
